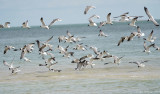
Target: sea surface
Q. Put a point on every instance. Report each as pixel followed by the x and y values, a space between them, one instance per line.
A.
pixel 125 78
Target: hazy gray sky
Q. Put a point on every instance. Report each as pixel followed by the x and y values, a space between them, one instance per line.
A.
pixel 71 11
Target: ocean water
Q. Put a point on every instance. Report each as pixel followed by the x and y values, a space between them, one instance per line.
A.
pixel 125 78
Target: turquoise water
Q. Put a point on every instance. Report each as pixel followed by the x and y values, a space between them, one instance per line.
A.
pixel 124 78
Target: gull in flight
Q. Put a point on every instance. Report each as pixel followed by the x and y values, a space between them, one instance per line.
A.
pixel 47 26
pixel 80 47
pixel 140 34
pixel 150 37
pixel 88 8
pixel 133 22
pixel 8 48
pixel 140 63
pixel 101 33
pixel 91 22
pixel 117 60
pixel 6 25
pixel 122 40
pixel 146 48
pixel 11 67
pixel 150 17
pixel 124 17
pixel 48 65
pixel 25 25
pixel 109 21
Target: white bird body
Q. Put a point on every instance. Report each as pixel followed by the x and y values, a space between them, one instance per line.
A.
pixel 109 21
pixel 101 33
pixel 6 25
pixel 25 25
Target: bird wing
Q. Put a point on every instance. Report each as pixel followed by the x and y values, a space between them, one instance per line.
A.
pixel 5 50
pixel 150 46
pixel 138 29
pixel 134 20
pixel 150 35
pixel 154 21
pixel 135 63
pixel 147 12
pixel 144 45
pixel 6 64
pixel 54 21
pixel 49 39
pixel 130 37
pixel 42 21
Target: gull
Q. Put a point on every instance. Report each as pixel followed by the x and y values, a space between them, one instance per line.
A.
pixel 62 50
pixel 26 49
pixel 101 33
pixel 8 48
pixel 95 50
pixel 47 26
pixel 61 38
pixel 79 47
pixel 109 21
pixel 150 37
pixel 88 8
pixel 6 25
pixel 132 35
pixel 124 17
pixel 68 54
pixel 140 34
pixel 146 48
pixel 151 17
pixel 54 20
pixel 45 44
pixel 91 23
pixel 43 24
pixel 133 22
pixel 117 60
pixel 11 67
pixel 26 59
pixel 25 25
pixel 122 39
pixel 102 24
pixel 80 64
pixel 140 63
pixel 70 39
pixel 48 65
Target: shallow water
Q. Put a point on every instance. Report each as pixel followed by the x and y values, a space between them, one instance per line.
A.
pixel 111 78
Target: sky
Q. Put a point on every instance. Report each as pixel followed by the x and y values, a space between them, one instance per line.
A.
pixel 71 11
